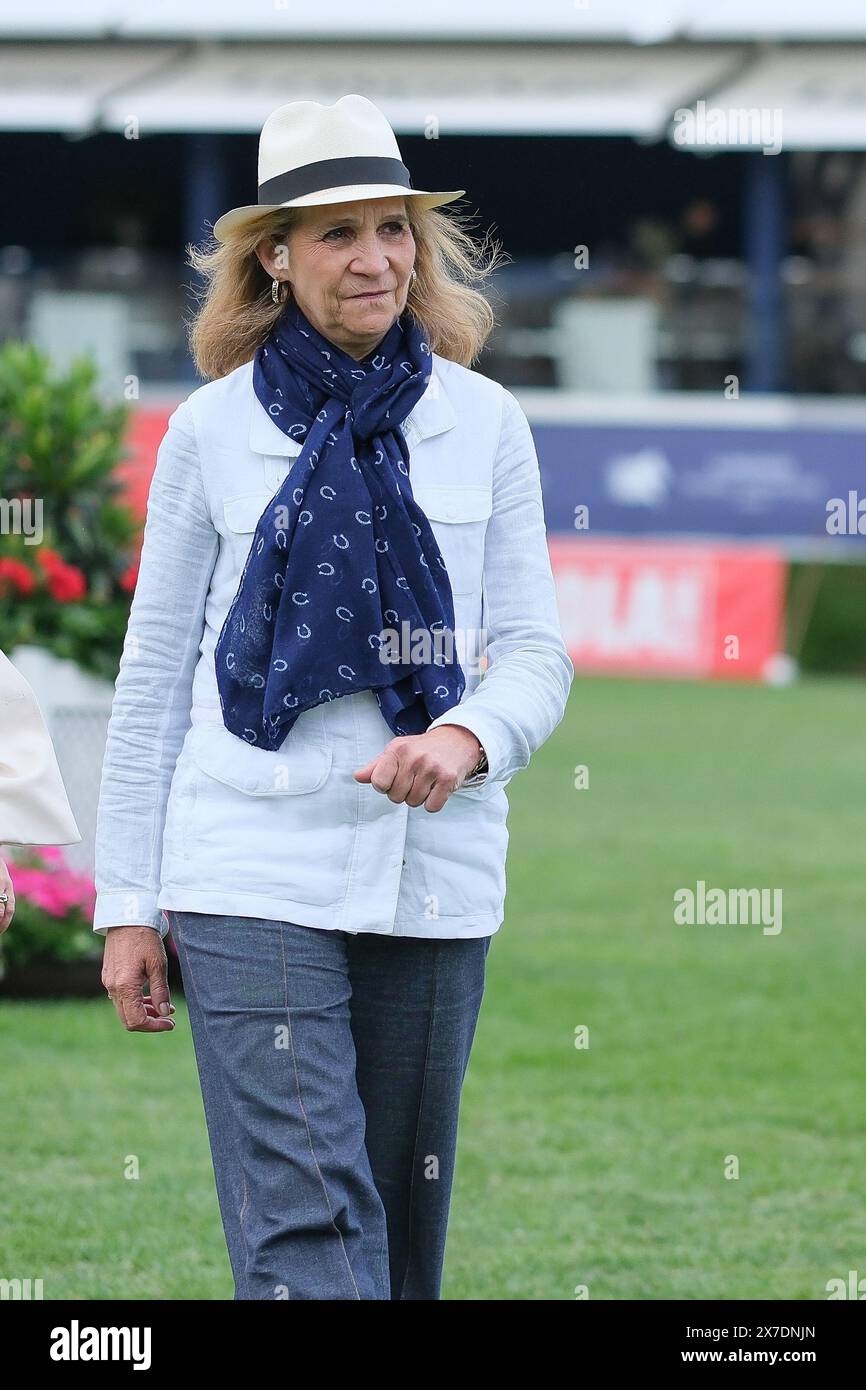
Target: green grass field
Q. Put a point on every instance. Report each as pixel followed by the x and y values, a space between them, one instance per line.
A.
pixel 602 1167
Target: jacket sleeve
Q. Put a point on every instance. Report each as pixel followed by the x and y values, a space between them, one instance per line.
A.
pixel 524 690
pixel 150 712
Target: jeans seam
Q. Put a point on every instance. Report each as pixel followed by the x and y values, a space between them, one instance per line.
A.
pixel 245 1198
pixel 431 1016
pixel 306 1121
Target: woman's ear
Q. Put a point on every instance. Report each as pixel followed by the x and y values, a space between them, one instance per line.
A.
pixel 273 253
pixel 265 253
pixel 280 252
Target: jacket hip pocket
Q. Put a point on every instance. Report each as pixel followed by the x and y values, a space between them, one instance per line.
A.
pixel 300 766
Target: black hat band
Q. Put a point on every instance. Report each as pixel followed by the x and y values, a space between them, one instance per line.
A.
pixel 333 173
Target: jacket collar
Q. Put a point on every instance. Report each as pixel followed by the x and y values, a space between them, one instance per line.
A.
pixel 433 414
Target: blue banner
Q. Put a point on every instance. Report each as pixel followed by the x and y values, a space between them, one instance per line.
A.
pixel 803 489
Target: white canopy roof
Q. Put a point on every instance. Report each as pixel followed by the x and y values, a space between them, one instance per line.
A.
pixel 479 89
pixel 61 86
pixel 815 97
pixel 467 88
pixel 559 90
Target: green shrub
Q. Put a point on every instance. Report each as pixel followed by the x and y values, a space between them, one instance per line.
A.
pixel 60 445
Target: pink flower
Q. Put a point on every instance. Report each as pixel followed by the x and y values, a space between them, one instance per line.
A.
pixel 38 886
pixel 57 889
pixel 52 852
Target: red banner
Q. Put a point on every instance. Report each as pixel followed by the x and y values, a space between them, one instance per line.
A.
pixel 147 425
pixel 646 607
pixel 668 609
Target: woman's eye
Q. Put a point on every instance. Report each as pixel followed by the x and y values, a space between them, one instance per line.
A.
pixel 390 226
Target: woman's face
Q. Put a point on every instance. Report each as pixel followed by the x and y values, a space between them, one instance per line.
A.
pixel 349 266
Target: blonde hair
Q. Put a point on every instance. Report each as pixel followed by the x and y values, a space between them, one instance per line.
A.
pixel 236 311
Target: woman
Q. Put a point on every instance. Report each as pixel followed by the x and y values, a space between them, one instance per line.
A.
pixel 34 808
pixel 305 770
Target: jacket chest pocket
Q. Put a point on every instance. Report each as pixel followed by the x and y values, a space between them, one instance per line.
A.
pixel 458 514
pixel 241 513
pixel 240 517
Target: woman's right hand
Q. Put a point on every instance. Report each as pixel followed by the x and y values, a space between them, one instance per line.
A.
pixel 135 956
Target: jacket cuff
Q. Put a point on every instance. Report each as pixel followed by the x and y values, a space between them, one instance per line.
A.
pixel 481 726
pixel 128 907
pixel 478 779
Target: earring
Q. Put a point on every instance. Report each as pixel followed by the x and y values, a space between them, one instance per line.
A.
pixel 413 277
pixel 276 293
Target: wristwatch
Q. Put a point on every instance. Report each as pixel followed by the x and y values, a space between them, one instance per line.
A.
pixel 479 771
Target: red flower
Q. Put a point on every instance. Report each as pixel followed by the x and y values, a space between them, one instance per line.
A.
pixel 129 578
pixel 66 583
pixel 49 560
pixel 15 574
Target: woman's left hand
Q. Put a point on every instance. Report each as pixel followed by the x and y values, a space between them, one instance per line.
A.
pixel 7 909
pixel 423 769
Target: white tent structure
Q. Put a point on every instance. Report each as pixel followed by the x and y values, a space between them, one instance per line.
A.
pixel 591 67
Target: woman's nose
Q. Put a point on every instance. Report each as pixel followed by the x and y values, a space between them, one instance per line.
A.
pixel 370 259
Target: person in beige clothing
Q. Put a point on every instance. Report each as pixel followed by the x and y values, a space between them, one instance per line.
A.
pixel 34 808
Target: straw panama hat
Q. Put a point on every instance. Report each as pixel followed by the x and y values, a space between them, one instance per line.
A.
pixel 310 154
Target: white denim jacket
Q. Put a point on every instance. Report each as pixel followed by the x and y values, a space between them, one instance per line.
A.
pixel 192 818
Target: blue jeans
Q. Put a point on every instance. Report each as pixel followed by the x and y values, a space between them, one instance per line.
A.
pixel 331 1067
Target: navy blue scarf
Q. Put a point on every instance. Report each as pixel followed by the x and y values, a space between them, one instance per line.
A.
pixel 342 555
